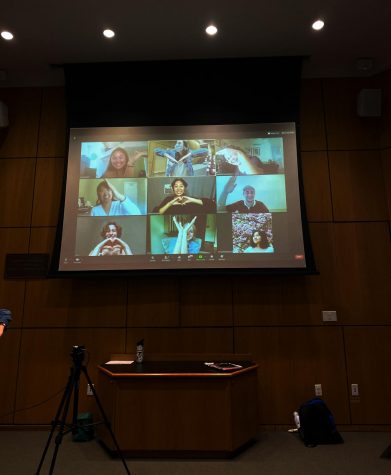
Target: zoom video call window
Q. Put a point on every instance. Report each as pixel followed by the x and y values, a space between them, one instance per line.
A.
pixel 182 198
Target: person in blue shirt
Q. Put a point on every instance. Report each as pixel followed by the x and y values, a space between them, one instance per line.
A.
pixel 112 203
pixel 180 158
pixel 5 318
pixel 259 242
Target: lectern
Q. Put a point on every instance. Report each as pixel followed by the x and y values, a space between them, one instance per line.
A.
pixel 179 408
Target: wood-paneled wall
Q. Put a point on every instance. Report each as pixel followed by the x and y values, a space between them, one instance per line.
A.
pixel 346 162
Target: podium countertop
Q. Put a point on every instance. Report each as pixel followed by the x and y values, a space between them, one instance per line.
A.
pixel 175 369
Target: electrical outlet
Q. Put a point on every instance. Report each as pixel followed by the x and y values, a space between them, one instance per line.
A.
pixel 89 390
pixel 318 390
pixel 354 388
pixel 329 316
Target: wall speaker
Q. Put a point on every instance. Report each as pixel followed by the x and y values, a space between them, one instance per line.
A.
pixel 369 103
pixel 4 122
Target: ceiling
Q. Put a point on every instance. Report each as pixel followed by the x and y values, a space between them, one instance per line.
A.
pixel 49 32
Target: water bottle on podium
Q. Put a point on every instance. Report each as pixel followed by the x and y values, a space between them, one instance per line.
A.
pixel 140 351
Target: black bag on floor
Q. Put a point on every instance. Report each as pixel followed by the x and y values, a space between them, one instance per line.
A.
pixel 317 424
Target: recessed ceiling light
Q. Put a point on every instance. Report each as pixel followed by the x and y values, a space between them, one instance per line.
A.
pixel 7 35
pixel 318 25
pixel 108 33
pixel 211 30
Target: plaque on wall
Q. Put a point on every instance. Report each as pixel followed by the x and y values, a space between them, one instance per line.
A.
pixel 26 266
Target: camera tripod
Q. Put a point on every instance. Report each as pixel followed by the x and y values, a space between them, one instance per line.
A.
pixel 60 420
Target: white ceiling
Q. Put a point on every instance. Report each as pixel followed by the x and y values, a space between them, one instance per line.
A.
pixel 54 32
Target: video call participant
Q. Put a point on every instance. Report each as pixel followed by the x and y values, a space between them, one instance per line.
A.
pixel 259 242
pixel 111 245
pixel 239 161
pixel 186 242
pixel 179 159
pixel 248 205
pixel 120 165
pixel 5 318
pixel 112 203
pixel 181 203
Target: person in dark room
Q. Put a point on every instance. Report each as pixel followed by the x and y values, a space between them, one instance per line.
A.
pixel 181 203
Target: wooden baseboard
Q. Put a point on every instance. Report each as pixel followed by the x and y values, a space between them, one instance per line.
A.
pixel 341 428
pixel 26 427
pixel 262 428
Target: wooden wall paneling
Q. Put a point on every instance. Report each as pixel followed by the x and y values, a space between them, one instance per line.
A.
pixel 206 301
pixel 44 368
pixel 52 131
pixel 42 240
pixel 257 300
pixel 316 181
pixel 304 297
pixel 47 191
pixel 181 340
pixel 16 183
pixel 368 356
pixel 383 81
pixel 21 137
pixel 9 350
pixel 312 127
pixel 13 241
pixel 72 302
pixel 300 300
pixel 75 302
pixel 386 165
pixel 357 186
pixel 345 129
pixel 291 361
pixel 363 258
pixel 323 244
pixel 153 302
pixel 353 260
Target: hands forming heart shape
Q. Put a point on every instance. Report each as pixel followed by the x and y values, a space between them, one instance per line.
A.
pixel 181 200
pixel 114 250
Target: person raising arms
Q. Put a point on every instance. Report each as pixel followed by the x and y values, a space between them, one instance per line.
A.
pixel 121 165
pixel 111 202
pixel 186 242
pixel 247 205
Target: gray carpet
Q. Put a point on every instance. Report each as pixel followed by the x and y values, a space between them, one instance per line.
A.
pixel 274 453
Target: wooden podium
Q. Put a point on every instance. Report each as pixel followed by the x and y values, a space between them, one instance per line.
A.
pixel 179 408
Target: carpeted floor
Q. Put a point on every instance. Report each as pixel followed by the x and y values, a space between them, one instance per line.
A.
pixel 274 453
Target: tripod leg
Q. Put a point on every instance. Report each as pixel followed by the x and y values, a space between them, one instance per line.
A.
pixel 60 434
pixel 76 401
pixel 65 397
pixel 106 421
